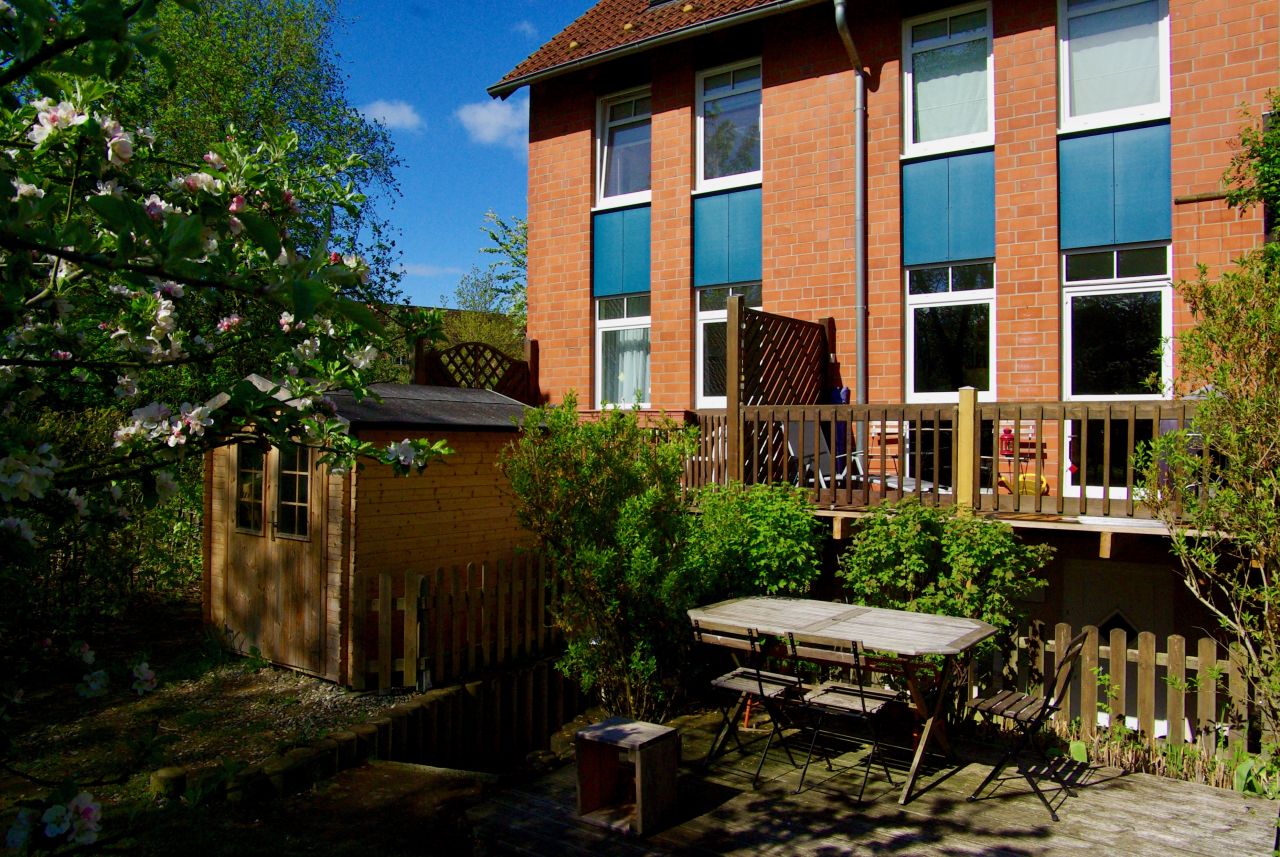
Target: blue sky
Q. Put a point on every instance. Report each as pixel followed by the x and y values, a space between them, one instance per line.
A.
pixel 421 67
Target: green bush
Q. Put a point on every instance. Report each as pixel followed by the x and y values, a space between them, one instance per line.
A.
pixel 603 498
pixel 758 539
pixel 908 556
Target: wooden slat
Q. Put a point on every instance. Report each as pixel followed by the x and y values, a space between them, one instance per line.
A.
pixel 1118 670
pixel 457 623
pixel 1089 683
pixel 1238 715
pixel 384 630
pixel 1175 700
pixel 1147 684
pixel 1206 696
pixel 412 628
pixel 502 581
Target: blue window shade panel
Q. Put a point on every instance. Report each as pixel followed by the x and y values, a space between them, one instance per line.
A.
pixel 727 238
pixel 1115 187
pixel 620 252
pixel 949 209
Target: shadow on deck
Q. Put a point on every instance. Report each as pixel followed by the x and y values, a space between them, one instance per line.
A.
pixel 719 813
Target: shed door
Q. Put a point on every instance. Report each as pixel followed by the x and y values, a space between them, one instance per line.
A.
pixel 275 574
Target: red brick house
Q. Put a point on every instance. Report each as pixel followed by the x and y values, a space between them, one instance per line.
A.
pixel 1037 174
pixel 994 194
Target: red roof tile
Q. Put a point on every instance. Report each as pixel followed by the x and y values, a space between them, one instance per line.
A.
pixel 612 24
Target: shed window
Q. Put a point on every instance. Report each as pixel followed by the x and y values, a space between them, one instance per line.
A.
pixel 293 491
pixel 249 488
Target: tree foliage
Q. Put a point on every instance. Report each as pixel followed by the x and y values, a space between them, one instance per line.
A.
pixel 138 289
pixel 1216 483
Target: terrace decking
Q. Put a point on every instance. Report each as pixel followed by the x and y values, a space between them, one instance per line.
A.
pixel 718 813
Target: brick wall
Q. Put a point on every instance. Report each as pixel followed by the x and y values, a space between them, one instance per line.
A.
pixel 1224 55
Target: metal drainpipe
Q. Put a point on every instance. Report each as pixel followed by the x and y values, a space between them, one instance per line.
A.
pixel 859 204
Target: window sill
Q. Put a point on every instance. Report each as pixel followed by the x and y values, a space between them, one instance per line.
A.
pixel 624 201
pixel 951 146
pixel 1114 119
pixel 739 182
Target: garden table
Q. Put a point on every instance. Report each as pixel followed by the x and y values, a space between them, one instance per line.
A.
pixel 900 632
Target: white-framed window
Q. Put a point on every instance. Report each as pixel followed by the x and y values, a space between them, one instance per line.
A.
pixel 1113 60
pixel 622 350
pixel 1117 311
pixel 729 122
pixel 951 331
pixel 624 145
pixel 948 81
pixel 293 492
pixel 712 333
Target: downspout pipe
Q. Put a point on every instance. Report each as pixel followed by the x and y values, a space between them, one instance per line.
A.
pixel 859 204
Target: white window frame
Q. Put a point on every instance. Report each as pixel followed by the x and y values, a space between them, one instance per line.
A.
pixel 941 299
pixel 704 185
pixel 1156 110
pixel 950 144
pixel 636 323
pixel 1162 284
pixel 701 318
pixel 602 148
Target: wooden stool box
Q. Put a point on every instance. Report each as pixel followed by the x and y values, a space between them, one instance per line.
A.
pixel 627 774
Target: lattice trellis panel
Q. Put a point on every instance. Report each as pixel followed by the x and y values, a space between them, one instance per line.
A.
pixel 476 365
pixel 784 360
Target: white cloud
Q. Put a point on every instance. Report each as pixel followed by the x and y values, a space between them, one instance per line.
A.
pixel 497 123
pixel 526 29
pixel 396 115
pixel 420 269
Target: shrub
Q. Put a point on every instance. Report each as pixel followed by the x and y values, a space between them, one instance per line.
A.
pixel 758 539
pixel 909 556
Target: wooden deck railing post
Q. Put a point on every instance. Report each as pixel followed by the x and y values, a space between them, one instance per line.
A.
pixel 733 388
pixel 966 433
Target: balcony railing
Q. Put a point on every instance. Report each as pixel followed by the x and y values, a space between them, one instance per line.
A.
pixel 1036 459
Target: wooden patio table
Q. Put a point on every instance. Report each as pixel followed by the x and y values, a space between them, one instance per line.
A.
pixel 900 632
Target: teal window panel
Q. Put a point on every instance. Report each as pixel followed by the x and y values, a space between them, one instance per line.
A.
pixel 1115 187
pixel 949 209
pixel 1144 185
pixel 971 216
pixel 925 189
pixel 727 237
pixel 620 251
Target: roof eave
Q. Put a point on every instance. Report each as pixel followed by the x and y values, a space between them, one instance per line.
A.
pixel 504 88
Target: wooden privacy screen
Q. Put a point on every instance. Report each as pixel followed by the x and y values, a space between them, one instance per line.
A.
pixel 782 361
pixel 458 623
pixel 476 365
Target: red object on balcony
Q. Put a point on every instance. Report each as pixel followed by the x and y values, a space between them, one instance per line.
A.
pixel 1006 441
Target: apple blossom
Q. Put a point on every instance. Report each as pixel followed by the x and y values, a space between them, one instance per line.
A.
pixel 214 160
pixel 237 204
pixel 93 684
pixel 86 816
pixel 403 451
pixel 19 526
pixel 363 357
pixel 26 190
pixel 144 678
pixel 229 323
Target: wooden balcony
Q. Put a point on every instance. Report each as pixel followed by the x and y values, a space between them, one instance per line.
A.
pixel 1044 464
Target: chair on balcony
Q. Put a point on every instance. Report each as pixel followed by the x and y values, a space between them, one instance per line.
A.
pixel 746 684
pixel 819 466
pixel 1029 714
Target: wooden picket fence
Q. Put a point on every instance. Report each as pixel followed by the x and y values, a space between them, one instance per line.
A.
pixel 1204 690
pixel 459 622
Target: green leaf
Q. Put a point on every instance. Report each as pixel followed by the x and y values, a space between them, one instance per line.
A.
pixel 184 235
pixel 307 295
pixel 122 215
pixel 1240 781
pixel 262 231
pixel 1080 752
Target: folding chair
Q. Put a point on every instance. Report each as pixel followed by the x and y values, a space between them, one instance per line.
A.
pixel 818 466
pixel 749 683
pixel 1030 714
pixel 858 701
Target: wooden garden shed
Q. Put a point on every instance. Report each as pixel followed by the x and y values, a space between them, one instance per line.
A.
pixel 310 567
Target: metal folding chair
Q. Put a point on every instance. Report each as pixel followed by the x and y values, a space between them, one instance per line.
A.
pixel 1030 713
pixel 746 684
pixel 855 702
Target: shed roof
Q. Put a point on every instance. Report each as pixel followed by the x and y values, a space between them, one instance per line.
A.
pixel 414 405
pixel 615 27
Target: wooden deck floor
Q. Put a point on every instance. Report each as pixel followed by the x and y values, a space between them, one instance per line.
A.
pixel 719 813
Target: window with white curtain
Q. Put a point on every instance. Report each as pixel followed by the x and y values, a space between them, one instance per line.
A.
pixel 950 326
pixel 1114 57
pixel 729 126
pixel 948 83
pixel 624 149
pixel 622 350
pixel 713 331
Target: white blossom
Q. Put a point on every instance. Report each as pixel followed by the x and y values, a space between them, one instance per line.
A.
pixel 362 358
pixel 403 451
pixel 26 190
